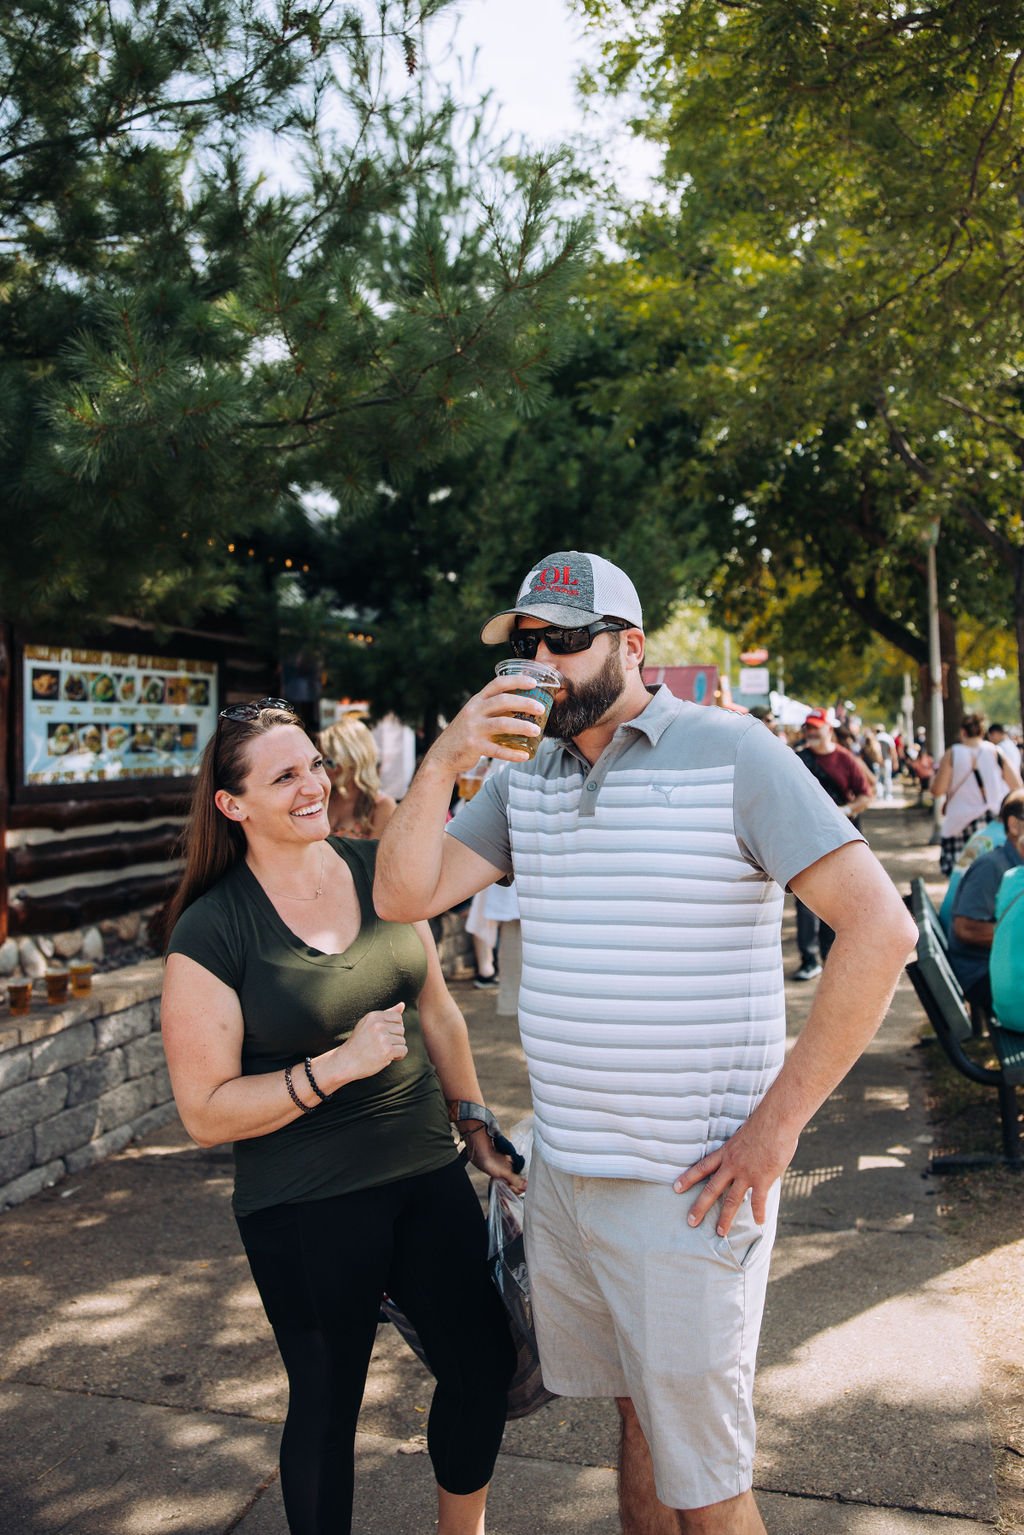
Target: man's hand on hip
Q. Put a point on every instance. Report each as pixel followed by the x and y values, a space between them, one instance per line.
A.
pixel 754 1158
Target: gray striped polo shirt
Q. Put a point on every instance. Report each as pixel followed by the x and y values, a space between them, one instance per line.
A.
pixel 650 890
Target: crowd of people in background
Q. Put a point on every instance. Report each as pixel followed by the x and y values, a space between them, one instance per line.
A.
pixel 892 758
pixel 978 782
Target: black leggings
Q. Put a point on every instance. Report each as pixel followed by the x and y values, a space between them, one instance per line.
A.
pixel 321 1268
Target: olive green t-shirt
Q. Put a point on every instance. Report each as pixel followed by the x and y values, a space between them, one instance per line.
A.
pixel 296 1002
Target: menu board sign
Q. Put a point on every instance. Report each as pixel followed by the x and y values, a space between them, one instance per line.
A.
pixel 99 716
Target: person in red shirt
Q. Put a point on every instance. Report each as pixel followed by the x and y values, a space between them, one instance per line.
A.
pixel 849 785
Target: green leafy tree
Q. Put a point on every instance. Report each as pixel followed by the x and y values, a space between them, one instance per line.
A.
pixel 839 247
pixel 188 340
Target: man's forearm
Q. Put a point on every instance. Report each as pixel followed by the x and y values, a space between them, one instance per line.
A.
pixel 411 880
pixel 974 931
pixel 411 851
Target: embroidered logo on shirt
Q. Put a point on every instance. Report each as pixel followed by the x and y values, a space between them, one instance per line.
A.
pixel 662 788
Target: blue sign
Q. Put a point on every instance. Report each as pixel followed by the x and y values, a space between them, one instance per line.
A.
pixel 700 687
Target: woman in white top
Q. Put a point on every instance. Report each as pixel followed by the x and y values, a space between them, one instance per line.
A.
pixel 974 777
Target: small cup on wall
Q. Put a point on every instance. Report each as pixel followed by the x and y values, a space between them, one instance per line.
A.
pixel 57 987
pixel 80 972
pixel 19 996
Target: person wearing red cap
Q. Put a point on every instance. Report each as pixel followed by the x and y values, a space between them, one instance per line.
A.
pixel 848 784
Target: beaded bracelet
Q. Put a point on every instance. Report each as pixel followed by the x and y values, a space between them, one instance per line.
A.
pixel 314 1084
pixel 293 1095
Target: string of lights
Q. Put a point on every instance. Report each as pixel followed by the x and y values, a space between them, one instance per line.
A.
pixel 357 637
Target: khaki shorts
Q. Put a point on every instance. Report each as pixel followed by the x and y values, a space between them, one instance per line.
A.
pixel 630 1301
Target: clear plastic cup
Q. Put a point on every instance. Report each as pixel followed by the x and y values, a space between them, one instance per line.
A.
pixel 57 987
pixel 471 782
pixel 81 977
pixel 19 996
pixel 547 682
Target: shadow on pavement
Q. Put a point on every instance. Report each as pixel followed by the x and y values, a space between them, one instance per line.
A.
pixel 142 1389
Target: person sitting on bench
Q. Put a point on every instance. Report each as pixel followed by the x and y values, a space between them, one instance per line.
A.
pixel 974 909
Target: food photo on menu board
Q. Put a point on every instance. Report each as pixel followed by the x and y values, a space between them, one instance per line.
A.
pixel 99 716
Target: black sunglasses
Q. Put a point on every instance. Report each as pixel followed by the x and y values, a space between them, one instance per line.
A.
pixel 561 642
pixel 254 710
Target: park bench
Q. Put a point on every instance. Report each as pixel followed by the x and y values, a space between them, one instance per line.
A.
pixel 923 909
pixel 942 998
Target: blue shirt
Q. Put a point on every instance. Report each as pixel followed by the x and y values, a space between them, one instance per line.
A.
pixel 1007 962
pixel 976 899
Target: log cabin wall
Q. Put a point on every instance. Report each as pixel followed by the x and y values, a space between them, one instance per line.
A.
pixel 83 878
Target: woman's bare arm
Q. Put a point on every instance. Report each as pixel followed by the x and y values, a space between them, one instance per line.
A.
pixel 447 1040
pixel 202 1025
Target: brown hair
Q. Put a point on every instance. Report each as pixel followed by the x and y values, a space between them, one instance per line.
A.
pixel 350 746
pixel 1013 804
pixel 972 725
pixel 212 844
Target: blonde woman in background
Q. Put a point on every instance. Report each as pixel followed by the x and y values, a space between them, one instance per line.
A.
pixel 358 807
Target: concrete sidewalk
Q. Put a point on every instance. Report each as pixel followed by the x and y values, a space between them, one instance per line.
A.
pixel 141 1390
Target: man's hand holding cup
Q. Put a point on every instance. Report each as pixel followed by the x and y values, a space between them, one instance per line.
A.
pixel 504 720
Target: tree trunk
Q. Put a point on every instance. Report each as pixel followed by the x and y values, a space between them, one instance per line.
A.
pixel 953 702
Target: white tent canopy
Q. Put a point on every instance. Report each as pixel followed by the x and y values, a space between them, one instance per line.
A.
pixel 791 711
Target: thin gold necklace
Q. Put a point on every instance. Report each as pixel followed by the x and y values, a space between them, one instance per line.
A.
pixel 280 895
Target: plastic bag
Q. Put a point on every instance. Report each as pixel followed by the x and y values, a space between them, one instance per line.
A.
pixel 506 1256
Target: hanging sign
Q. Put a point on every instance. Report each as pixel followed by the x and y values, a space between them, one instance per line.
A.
pixel 100 716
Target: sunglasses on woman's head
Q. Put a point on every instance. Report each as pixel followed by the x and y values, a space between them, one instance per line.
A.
pixel 254 710
pixel 559 641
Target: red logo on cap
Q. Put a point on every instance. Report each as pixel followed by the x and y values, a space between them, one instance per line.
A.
pixel 557 578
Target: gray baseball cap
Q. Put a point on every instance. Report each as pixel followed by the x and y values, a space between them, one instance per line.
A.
pixel 571 589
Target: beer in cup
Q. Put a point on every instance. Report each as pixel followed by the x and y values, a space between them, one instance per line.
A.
pixel 19 996
pixel 470 783
pixel 547 681
pixel 56 987
pixel 81 977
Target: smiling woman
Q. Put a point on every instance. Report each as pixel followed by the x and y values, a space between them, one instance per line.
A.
pixel 323 1042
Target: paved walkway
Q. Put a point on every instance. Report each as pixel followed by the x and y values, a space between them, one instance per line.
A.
pixel 141 1392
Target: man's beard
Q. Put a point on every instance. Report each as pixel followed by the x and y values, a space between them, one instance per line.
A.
pixel 587 702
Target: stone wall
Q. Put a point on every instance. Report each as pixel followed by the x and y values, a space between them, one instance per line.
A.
pixel 454 945
pixel 82 1080
pixel 79 1081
